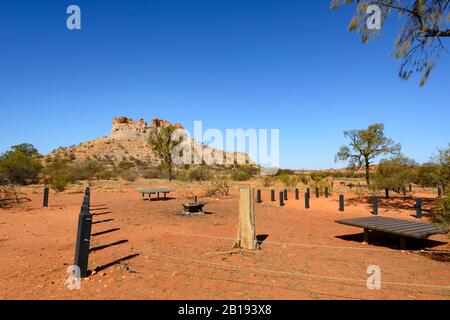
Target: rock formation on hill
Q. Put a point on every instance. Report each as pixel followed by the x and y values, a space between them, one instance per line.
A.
pixel 127 142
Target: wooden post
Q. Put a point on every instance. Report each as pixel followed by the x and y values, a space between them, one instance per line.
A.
pixel 297 196
pixel 326 192
pixel 281 198
pixel 317 192
pixel 386 192
pixel 246 238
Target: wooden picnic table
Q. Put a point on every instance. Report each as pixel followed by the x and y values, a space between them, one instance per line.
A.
pixel 403 228
pixel 154 191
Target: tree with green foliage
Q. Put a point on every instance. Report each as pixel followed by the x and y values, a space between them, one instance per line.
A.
pixel 21 164
pixel 441 213
pixel 420 40
pixel 395 173
pixel 365 146
pixel 442 160
pixel 162 141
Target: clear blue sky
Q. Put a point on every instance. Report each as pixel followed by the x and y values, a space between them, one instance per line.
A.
pixel 290 65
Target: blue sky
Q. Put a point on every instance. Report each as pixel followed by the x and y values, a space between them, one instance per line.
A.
pixel 288 65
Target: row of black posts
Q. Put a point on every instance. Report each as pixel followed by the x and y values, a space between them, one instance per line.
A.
pixel 418 206
pixel 84 235
pixel 284 196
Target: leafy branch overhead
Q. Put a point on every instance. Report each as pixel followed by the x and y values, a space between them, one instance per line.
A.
pixel 425 23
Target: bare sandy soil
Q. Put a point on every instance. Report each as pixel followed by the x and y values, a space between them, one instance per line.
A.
pixel 144 250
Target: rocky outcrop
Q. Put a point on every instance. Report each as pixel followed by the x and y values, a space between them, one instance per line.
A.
pixel 127 142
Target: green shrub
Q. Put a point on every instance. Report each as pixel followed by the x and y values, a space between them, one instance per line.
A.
pixel 129 175
pixel 268 182
pixel 240 175
pixel 289 181
pixel 197 173
pixel 59 183
pixel 85 170
pixel 441 213
pixel 21 164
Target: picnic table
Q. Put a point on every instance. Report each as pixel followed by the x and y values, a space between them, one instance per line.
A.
pixel 154 191
pixel 403 228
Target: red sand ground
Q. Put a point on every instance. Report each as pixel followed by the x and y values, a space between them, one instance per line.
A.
pixel 306 254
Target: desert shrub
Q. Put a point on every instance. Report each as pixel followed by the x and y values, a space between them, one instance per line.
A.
pixel 85 170
pixel 250 169
pixel 427 174
pixel 197 173
pixel 318 176
pixel 105 175
pixel 268 182
pixel 129 175
pixel 151 173
pixel 240 175
pixel 395 173
pixel 289 181
pixel 126 165
pixel 283 172
pixel 21 164
pixel 59 183
pixel 441 213
pixel 219 186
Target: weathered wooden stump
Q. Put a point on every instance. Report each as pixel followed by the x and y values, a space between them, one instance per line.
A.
pixel 246 236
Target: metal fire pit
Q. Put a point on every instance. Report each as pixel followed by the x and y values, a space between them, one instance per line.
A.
pixel 193 208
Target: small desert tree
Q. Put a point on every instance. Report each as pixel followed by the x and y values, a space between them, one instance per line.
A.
pixel 161 140
pixel 21 164
pixel 365 146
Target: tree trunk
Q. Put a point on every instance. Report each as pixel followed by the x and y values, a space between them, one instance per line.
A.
pixel 367 172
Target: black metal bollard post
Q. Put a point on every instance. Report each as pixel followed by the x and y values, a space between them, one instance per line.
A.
pixel 341 202
pixel 45 202
pixel 308 191
pixel 83 241
pixel 281 198
pixel 306 200
pixel 386 192
pixel 439 192
pixel 272 195
pixel 418 208
pixel 297 196
pixel 410 187
pixel 285 194
pixel 258 196
pixel 375 205
pixel 326 192
pixel 317 192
